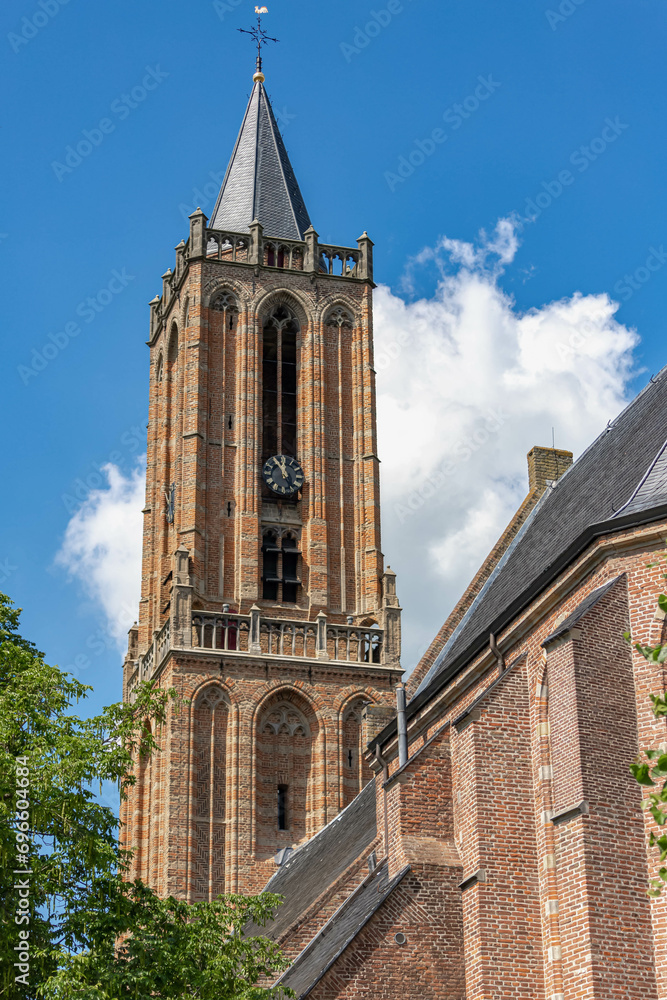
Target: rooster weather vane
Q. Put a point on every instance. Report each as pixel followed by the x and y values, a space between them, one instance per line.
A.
pixel 259 35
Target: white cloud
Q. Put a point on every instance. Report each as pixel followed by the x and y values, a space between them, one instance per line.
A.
pixel 466 386
pixel 102 547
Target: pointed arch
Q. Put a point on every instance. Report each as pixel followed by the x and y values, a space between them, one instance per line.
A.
pixel 208 780
pixel 341 315
pixel 355 772
pixel 266 301
pixel 217 286
pixel 172 343
pixel 224 300
pixel 287 792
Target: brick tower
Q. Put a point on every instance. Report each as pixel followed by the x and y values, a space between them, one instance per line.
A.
pixel 264 598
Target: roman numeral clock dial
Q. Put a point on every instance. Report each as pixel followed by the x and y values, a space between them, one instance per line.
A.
pixel 283 475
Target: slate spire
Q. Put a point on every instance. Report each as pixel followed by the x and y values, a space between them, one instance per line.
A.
pixel 260 182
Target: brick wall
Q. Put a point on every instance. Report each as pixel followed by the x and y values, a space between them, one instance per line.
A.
pixel 563 911
pixel 204 811
pixel 425 909
pixel 600 855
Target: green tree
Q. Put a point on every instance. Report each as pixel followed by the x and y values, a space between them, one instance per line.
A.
pixel 172 950
pixel 65 900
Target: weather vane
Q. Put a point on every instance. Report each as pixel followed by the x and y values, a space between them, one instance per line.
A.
pixel 259 35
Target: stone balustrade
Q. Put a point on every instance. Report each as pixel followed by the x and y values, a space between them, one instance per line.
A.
pixel 256 249
pixel 255 635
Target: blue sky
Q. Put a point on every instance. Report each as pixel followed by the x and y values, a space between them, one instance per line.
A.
pixel 561 100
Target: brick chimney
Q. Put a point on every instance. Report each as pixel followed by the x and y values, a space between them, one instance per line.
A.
pixel 546 465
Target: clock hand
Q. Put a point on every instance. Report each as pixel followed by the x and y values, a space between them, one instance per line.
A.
pixel 283 468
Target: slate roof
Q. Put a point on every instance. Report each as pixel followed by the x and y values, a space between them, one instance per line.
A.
pixel 620 479
pixel 260 182
pixel 320 954
pixel 579 612
pixel 321 860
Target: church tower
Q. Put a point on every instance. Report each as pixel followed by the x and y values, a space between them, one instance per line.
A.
pixel 265 602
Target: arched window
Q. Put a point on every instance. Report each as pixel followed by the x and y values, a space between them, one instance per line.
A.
pixel 172 351
pixel 281 567
pixel 159 369
pixel 286 797
pixel 225 302
pixel 279 384
pixel 207 838
pixel 355 771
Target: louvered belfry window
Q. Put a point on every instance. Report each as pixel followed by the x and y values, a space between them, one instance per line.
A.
pixel 280 568
pixel 279 384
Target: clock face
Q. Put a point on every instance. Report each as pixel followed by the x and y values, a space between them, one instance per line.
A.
pixel 283 475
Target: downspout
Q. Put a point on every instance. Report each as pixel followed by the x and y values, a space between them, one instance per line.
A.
pixel 385 777
pixel 402 725
pixel 493 646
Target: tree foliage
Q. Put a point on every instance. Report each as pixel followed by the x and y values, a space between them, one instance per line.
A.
pixel 170 949
pixel 65 901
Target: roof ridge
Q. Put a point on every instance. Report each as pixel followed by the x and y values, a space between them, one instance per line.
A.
pixel 274 129
pixel 643 480
pixel 254 187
